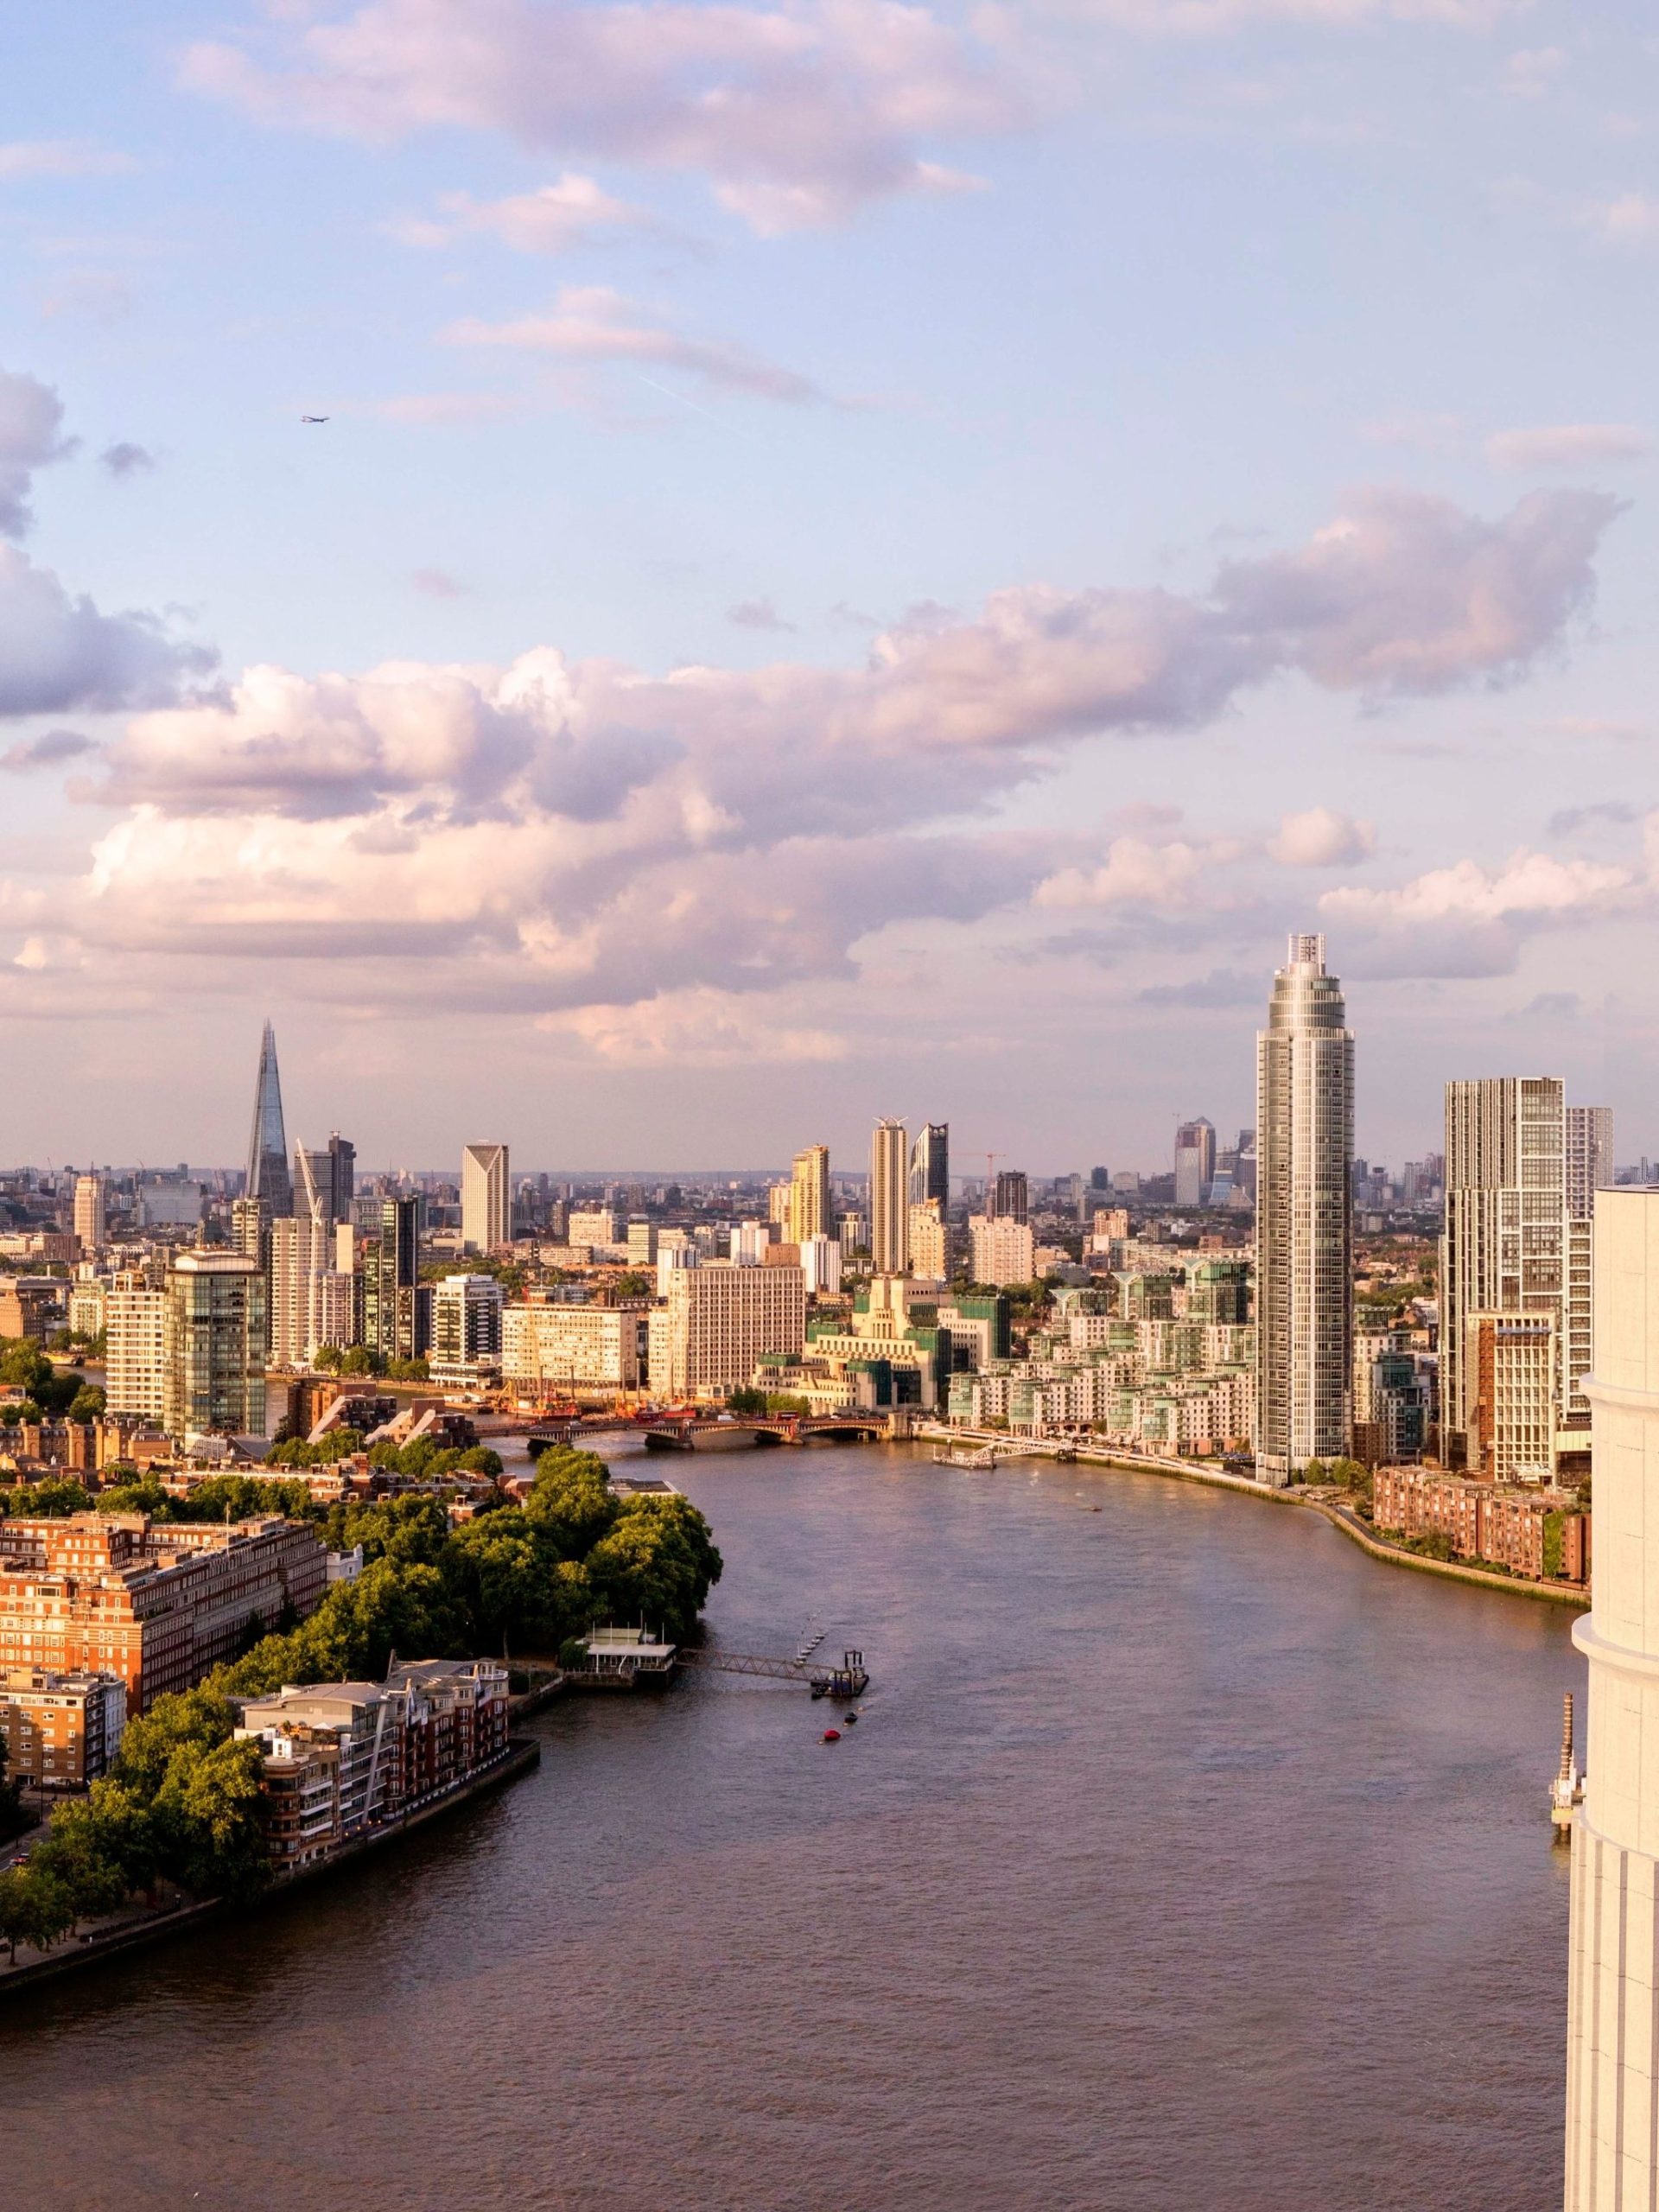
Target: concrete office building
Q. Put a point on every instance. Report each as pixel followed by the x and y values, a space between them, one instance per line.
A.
pixel 889 1199
pixel 90 1225
pixel 214 1365
pixel 719 1322
pixel 1612 2061
pixel 1011 1200
pixel 1195 1161
pixel 486 1198
pixel 573 1347
pixel 1303 1218
pixel 327 1176
pixel 930 1167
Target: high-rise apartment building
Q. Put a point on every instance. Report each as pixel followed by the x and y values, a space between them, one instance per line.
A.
pixel 268 1175
pixel 311 1296
pixel 1589 1158
pixel 929 1244
pixel 89 1220
pixel 1002 1248
pixel 808 1212
pixel 396 1308
pixel 889 1203
pixel 1195 1161
pixel 486 1198
pixel 1612 2084
pixel 135 1374
pixel 1303 1218
pixel 930 1167
pixel 1516 1237
pixel 1011 1200
pixel 215 1346
pixel 466 1330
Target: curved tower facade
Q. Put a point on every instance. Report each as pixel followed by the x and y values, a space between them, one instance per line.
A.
pixel 1303 1218
pixel 1612 2038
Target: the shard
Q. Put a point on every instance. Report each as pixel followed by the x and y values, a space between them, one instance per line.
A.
pixel 268 1175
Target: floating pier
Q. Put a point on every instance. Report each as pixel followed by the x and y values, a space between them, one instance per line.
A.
pixel 849 1680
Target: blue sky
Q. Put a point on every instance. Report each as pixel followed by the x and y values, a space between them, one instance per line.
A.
pixel 863 559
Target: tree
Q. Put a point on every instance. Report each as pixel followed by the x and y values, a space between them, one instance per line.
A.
pixel 188 1718
pixel 47 1912
pixel 87 1404
pixel 24 1366
pixel 571 1500
pixel 53 1497
pixel 408 1370
pixel 92 1882
pixel 209 1813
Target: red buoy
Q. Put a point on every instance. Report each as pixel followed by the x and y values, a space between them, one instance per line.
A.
pixel 832 1735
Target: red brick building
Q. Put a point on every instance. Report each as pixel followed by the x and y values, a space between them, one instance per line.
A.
pixel 158 1605
pixel 1534 1531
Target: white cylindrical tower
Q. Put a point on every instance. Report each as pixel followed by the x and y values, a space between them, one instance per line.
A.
pixel 1612 2051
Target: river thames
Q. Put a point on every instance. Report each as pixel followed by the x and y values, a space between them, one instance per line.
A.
pixel 1184 1857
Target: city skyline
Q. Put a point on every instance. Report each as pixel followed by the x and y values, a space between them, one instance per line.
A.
pixel 1289 572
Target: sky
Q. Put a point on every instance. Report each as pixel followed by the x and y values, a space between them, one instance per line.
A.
pixel 862 559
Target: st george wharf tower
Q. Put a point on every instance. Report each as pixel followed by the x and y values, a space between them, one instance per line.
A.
pixel 1303 1218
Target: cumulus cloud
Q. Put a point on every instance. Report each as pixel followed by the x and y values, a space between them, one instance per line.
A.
pixel 1470 920
pixel 58 653
pixel 50 750
pixel 591 322
pixel 1408 594
pixel 1322 838
pixel 1137 872
pixel 31 435
pixel 691 1028
pixel 558 834
pixel 1567 445
pixel 124 458
pixel 551 219
pixel 797 117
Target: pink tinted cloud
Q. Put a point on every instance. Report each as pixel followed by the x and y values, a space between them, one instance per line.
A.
pixel 796 117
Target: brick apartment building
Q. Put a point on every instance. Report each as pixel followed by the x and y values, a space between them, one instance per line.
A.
pixel 1539 1532
pixel 61 1730
pixel 158 1606
pixel 342 1756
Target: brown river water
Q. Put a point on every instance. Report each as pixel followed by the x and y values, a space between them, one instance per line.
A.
pixel 1184 1857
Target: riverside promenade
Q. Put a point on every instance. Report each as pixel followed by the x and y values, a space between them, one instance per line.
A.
pixel 1327 1503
